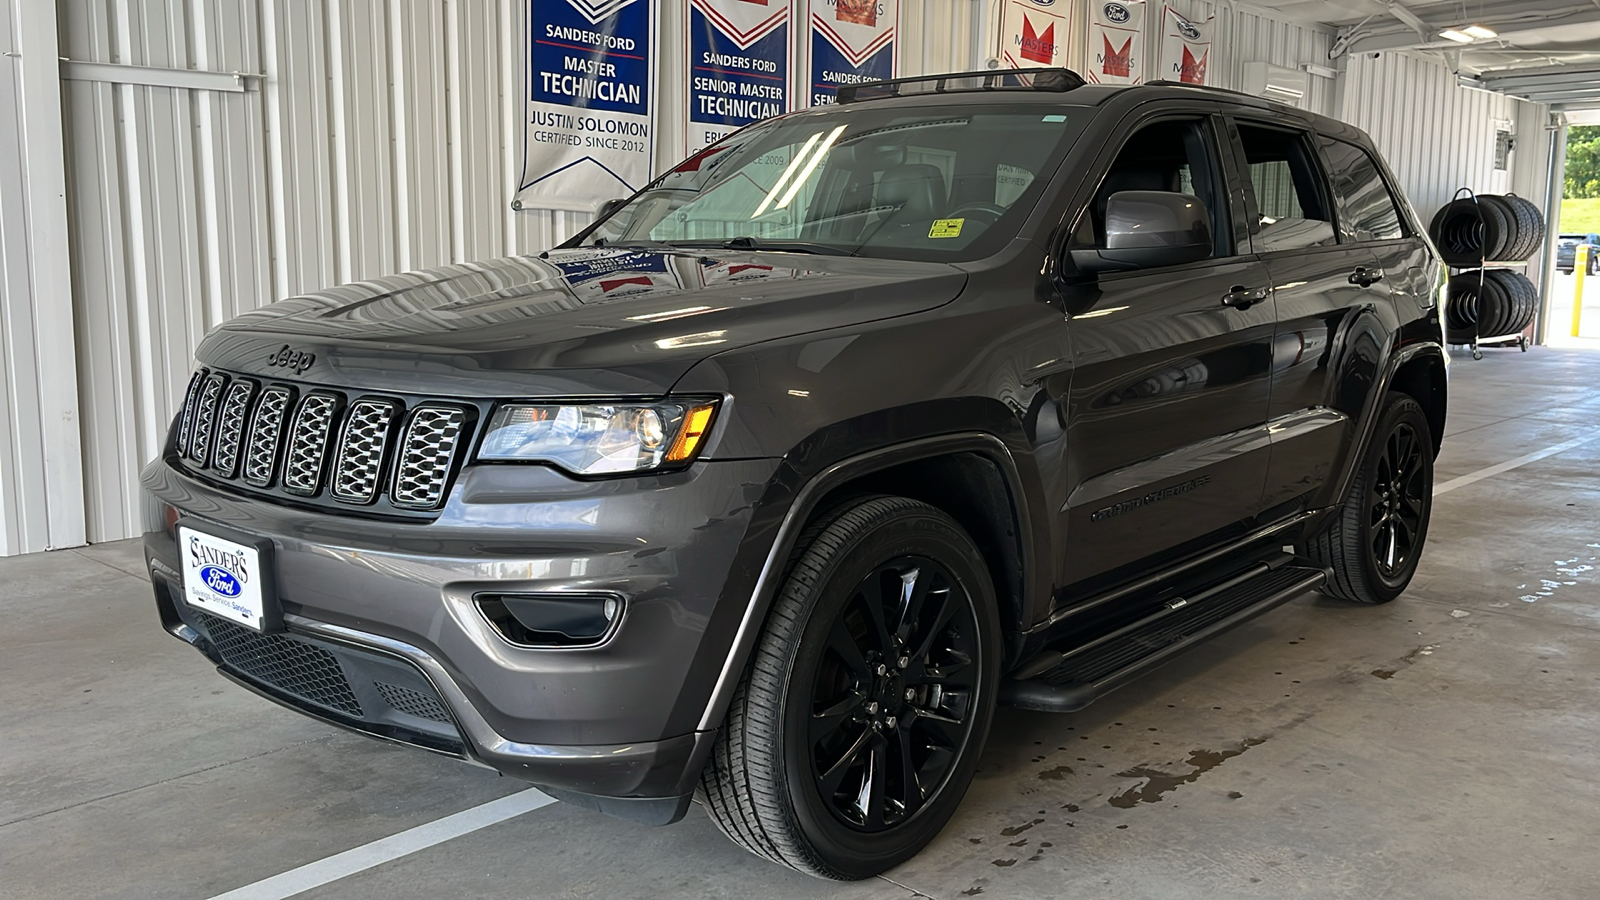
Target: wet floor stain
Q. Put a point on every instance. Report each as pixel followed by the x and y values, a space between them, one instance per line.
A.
pixel 973 891
pixel 1005 863
pixel 1015 830
pixel 1157 783
pixel 1234 795
pixel 1408 659
pixel 1056 774
pixel 1570 571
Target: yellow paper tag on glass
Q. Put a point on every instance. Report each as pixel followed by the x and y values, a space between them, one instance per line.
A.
pixel 946 228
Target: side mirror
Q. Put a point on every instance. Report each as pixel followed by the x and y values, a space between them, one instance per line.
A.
pixel 1146 229
pixel 609 207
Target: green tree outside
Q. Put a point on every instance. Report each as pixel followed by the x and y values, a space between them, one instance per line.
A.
pixel 1583 161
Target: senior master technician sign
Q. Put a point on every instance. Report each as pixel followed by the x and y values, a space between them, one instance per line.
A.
pixel 591 91
pixel 738 66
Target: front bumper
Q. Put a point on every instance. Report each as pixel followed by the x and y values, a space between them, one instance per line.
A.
pixel 391 605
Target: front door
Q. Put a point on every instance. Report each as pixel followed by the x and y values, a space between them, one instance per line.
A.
pixel 1166 422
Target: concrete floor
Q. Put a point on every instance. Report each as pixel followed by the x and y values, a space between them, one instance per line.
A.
pixel 1442 746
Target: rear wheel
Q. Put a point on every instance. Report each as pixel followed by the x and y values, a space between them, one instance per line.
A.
pixel 1374 542
pixel 858 725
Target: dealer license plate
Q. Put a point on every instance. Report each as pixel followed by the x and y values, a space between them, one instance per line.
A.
pixel 225 578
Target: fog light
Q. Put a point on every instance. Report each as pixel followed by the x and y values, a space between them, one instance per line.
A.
pixel 552 619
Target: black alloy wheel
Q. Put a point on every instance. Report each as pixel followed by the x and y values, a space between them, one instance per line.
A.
pixel 1398 501
pixel 858 725
pixel 1372 545
pixel 891 702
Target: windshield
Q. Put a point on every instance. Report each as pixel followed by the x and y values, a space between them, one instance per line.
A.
pixel 950 183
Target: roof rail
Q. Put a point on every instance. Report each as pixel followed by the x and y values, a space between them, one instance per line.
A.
pixel 1059 80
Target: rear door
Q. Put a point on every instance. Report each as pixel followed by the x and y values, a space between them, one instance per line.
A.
pixel 1166 425
pixel 1327 290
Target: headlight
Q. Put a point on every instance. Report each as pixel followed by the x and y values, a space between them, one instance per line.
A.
pixel 598 439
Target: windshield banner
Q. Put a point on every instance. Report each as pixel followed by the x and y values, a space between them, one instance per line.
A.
pixel 591 90
pixel 738 66
pixel 1033 33
pixel 851 41
pixel 1116 42
pixel 1185 48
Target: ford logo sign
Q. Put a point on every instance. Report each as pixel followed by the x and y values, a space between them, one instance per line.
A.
pixel 1044 2
pixel 1116 12
pixel 221 580
pixel 1189 31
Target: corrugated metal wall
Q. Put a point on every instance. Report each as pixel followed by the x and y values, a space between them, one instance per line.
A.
pixel 1438 136
pixel 384 136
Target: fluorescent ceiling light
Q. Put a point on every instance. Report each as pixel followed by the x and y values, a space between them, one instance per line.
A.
pixel 1478 31
pixel 1460 37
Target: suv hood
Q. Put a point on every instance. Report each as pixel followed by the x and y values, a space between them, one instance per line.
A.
pixel 586 322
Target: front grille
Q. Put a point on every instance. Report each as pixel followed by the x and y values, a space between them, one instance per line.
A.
pixel 366 435
pixel 294 667
pixel 186 417
pixel 426 452
pixel 308 443
pixel 230 427
pixel 205 417
pixel 266 433
pixel 412 703
pixel 323 446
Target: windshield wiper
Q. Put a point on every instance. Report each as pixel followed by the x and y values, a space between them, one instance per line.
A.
pixel 632 245
pixel 746 242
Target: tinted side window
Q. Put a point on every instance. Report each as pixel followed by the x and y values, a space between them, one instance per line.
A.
pixel 1174 155
pixel 1367 211
pixel 1287 190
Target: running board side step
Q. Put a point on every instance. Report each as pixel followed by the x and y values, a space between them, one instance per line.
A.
pixel 1071 680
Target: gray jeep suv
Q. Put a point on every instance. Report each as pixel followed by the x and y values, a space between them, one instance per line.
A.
pixel 767 487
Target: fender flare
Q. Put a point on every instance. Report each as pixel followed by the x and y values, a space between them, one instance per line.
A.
pixel 805 503
pixel 1374 405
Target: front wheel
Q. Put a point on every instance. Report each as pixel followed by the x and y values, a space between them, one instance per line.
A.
pixel 859 722
pixel 1372 546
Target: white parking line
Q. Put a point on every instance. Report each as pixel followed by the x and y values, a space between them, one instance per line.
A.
pixel 1510 464
pixel 367 856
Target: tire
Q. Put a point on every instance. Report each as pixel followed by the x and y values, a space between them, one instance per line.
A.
pixel 1516 235
pixel 1348 546
pixel 1523 297
pixel 1530 226
pixel 1591 266
pixel 1467 232
pixel 765 784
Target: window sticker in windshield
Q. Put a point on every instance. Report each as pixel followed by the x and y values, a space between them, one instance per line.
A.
pixel 946 228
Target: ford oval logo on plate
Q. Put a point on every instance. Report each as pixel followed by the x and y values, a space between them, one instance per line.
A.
pixel 220 580
pixel 1189 31
pixel 1117 13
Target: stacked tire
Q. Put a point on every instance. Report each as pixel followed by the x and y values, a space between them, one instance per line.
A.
pixel 1471 230
pixel 1489 303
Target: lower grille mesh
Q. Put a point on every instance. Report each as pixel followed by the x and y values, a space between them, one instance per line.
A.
pixel 294 667
pixel 412 703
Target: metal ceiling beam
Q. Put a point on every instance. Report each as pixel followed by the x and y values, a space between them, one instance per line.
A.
pixel 1515 79
pixel 1560 96
pixel 1508 24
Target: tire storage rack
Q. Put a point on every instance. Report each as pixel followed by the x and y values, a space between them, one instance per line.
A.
pixel 1483 238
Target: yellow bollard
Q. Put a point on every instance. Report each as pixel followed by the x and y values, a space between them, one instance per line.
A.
pixel 1580 265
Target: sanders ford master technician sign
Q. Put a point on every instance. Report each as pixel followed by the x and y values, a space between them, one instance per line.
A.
pixel 738 66
pixel 591 92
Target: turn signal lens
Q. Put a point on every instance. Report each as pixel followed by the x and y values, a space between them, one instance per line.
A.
pixel 695 426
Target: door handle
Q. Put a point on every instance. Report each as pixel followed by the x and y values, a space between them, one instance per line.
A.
pixel 1242 297
pixel 1365 277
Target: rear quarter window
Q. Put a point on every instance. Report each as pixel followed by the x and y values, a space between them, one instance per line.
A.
pixel 1367 210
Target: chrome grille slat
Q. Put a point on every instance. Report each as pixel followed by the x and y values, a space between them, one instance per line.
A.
pixel 266 430
pixel 427 452
pixel 230 427
pixel 356 468
pixel 308 444
pixel 205 418
pixel 187 421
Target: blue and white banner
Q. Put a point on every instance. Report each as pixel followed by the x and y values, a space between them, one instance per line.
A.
pixel 591 95
pixel 850 41
pixel 738 66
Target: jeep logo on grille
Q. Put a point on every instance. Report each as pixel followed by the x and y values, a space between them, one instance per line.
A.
pixel 297 361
